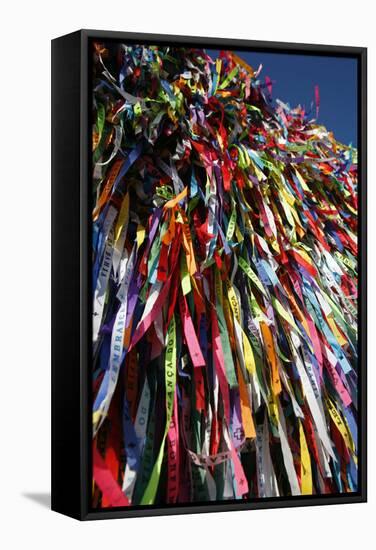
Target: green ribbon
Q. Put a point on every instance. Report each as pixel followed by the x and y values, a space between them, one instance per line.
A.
pixel 170 383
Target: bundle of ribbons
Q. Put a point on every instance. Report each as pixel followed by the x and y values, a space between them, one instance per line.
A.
pixel 224 285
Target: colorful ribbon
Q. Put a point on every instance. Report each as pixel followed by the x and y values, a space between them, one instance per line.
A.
pixel 224 285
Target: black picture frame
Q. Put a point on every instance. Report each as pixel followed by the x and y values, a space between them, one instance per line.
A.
pixel 71 234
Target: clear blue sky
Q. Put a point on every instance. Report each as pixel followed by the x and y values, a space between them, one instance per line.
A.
pixel 295 76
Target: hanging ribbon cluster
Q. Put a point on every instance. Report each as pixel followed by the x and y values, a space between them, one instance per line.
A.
pixel 224 285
